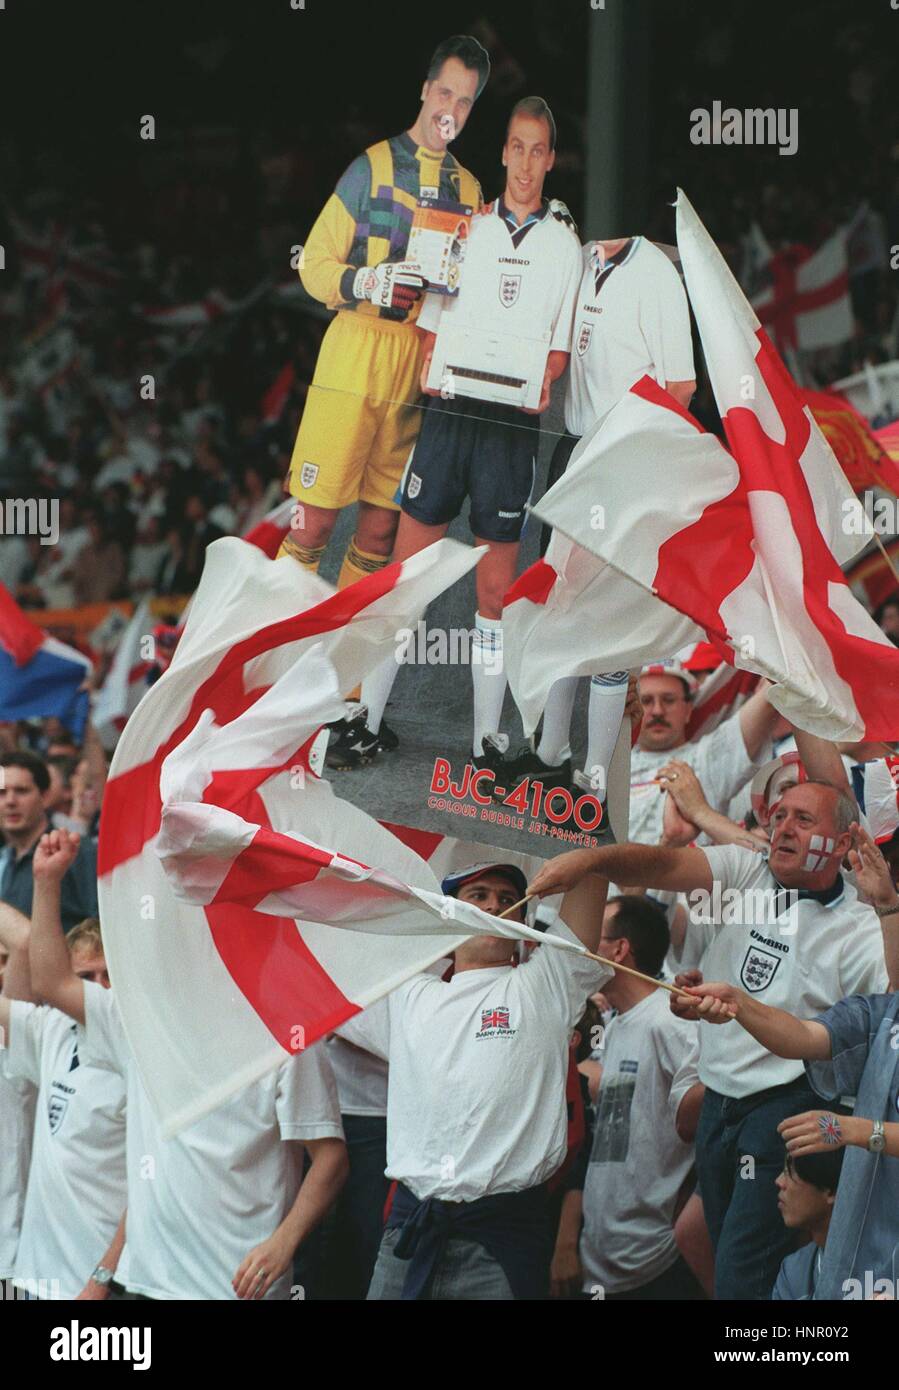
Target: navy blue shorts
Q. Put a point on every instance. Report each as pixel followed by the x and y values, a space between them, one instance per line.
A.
pixel 473 449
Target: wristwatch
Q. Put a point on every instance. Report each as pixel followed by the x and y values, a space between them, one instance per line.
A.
pixel 104 1276
pixel 888 911
pixel 877 1142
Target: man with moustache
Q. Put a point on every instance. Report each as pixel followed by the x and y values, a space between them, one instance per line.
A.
pixel 724 760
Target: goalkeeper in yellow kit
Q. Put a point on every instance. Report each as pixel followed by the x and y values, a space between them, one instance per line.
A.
pixel 361 417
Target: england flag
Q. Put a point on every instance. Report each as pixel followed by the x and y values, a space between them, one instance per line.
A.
pixel 229 872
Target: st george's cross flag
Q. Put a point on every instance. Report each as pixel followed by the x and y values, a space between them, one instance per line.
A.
pixel 227 868
pixel 806 303
pixel 747 543
pixel 572 613
pixel 781 603
pixel 216 857
pixel 130 674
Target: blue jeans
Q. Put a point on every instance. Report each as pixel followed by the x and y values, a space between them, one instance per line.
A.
pixel 739 1197
pixel 465 1271
pixel 337 1261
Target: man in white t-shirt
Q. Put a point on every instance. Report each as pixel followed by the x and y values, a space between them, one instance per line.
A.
pixel 218 1211
pixel 476 1113
pixel 633 1175
pixel 631 320
pixel 789 929
pixel 76 1180
pixel 519 279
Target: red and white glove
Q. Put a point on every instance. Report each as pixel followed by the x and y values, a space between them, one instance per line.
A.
pixel 390 285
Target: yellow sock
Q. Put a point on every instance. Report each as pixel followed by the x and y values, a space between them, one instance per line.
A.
pixel 309 556
pixel 356 564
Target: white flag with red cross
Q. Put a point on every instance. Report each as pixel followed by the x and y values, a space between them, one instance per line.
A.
pixel 227 866
pixel 806 303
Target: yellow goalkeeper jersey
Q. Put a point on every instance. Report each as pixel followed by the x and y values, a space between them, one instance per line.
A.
pixel 368 217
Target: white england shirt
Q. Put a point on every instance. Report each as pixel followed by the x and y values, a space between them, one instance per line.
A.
pixel 637 323
pixel 638 1165
pixel 720 761
pixel 527 290
pixel 478 1064
pixel 76 1182
pixel 17 1099
pixel 200 1202
pixel 804 961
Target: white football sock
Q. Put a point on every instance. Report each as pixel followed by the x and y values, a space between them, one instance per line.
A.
pixel 376 689
pixel 554 747
pixel 488 678
pixel 608 694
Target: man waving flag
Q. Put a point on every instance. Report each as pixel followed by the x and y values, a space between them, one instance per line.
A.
pixel 219 983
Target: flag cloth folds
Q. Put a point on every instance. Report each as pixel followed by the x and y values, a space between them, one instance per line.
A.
pixel 577 611
pixel 888 438
pixel 745 543
pixel 213 856
pixel 783 603
pixel 218 986
pixel 40 678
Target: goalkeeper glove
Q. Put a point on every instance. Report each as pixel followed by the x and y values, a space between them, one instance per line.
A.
pixel 390 285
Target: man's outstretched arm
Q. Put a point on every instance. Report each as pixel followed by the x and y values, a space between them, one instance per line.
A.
pixel 629 866
pixel 778 1031
pixel 758 720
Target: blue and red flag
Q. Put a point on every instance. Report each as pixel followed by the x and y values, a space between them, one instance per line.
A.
pixel 40 677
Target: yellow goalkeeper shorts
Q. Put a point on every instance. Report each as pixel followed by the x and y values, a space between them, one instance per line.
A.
pixel 362 414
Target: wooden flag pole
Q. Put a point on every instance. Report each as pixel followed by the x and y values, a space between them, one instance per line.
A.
pixel 624 969
pixel 887 557
pixel 638 975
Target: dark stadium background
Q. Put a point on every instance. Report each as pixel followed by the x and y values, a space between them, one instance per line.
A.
pixel 321 82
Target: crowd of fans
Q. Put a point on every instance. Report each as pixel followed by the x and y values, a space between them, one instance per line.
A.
pixel 614 1149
